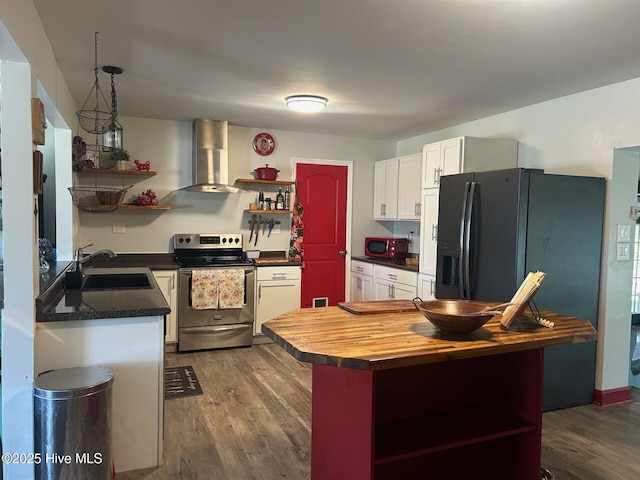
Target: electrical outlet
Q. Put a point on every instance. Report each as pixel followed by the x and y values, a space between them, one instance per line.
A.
pixel 118 228
pixel 276 229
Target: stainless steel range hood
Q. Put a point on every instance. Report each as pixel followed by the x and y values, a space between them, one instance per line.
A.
pixel 210 160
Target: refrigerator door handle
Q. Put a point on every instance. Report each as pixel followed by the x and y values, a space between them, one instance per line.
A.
pixel 467 241
pixel 463 217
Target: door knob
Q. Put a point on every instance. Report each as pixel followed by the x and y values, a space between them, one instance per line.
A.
pixel 342 252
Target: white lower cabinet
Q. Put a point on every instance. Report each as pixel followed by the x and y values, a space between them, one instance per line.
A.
pixel 361 282
pixel 277 292
pixel 394 283
pixel 427 287
pixel 167 281
pixel 131 347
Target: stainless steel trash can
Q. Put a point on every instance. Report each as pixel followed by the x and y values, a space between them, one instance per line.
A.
pixel 72 409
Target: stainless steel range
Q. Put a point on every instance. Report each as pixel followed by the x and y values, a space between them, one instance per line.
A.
pixel 215 291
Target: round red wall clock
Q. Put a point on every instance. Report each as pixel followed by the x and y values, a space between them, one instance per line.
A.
pixel 264 144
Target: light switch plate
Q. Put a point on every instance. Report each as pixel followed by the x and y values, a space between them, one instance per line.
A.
pixel 624 233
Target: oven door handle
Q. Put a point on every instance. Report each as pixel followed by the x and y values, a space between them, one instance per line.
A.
pixel 219 328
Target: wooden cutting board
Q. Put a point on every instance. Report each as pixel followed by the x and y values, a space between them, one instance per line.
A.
pixel 283 261
pixel 378 306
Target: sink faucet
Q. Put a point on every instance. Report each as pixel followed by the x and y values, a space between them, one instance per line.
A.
pixel 79 260
pixel 73 276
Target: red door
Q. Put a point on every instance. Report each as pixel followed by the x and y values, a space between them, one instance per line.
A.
pixel 322 192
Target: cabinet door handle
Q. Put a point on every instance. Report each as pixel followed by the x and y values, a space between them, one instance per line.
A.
pixel 434 232
pixel 279 276
pixel 418 209
pixel 436 178
pixel 433 287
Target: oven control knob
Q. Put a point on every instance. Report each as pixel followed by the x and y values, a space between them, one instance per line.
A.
pixel 188 240
pixel 180 240
pixel 237 240
pixel 224 240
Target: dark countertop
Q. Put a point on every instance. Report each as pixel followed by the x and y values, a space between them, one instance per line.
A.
pixel 46 278
pixel 153 261
pixel 56 304
pixel 389 263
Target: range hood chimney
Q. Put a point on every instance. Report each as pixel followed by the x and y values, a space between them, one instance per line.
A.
pixel 211 157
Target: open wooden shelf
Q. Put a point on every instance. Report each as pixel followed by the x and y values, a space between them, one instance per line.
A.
pixel 113 171
pixel 270 212
pixel 406 438
pixel 145 207
pixel 265 182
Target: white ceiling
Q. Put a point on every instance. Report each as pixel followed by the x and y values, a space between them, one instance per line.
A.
pixel 391 69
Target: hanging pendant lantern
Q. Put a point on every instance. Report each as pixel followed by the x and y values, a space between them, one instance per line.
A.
pixel 112 138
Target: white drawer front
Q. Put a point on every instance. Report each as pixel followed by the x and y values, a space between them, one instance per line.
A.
pixel 363 268
pixel 278 273
pixel 396 275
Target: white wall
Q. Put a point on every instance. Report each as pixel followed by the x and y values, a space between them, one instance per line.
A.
pixel 167 146
pixel 26 57
pixel 577 135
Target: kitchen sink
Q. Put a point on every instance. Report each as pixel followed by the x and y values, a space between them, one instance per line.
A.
pixel 116 281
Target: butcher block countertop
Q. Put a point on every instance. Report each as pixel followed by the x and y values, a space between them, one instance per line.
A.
pixel 334 336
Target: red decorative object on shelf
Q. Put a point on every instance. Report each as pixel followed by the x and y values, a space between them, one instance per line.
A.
pixel 147 198
pixel 264 144
pixel 146 166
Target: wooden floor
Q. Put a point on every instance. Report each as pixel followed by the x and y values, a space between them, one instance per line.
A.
pixel 254 422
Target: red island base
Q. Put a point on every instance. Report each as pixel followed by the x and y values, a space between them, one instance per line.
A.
pixel 475 418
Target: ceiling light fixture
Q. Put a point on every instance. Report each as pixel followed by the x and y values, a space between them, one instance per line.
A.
pixel 306 103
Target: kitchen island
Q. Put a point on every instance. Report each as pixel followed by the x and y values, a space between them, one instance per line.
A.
pixel 394 397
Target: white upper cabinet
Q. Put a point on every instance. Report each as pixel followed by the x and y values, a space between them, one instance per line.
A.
pixel 440 158
pixel 385 191
pixel 397 188
pixel 466 154
pixel 409 188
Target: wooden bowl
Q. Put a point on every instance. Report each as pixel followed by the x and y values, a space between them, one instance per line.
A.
pixel 455 316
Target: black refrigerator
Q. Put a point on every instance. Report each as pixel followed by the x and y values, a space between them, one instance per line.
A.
pixel 496 226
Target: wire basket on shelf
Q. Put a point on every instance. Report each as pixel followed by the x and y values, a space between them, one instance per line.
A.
pixel 98 199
